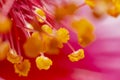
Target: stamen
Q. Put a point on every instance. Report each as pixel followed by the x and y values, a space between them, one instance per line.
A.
pixel 91 3
pixel 76 55
pixel 29 26
pixel 5 24
pixel 81 5
pixel 23 68
pixel 33 45
pixel 70 46
pixel 43 63
pixel 44 20
pixel 41 13
pixel 11 41
pixel 64 10
pixel 84 30
pixel 4 49
pixel 13 57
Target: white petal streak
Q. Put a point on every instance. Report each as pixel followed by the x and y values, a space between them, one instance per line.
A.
pixel 110 64
pixel 81 74
pixel 105 46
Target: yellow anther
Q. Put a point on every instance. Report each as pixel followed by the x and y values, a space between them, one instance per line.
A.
pixel 82 26
pixel 53 41
pixel 76 56
pixel 33 46
pixel 41 13
pixel 36 35
pixel 91 3
pixel 4 49
pixel 101 7
pixel 64 10
pixel 114 8
pixel 5 24
pixel 86 39
pixel 54 45
pixel 47 29
pixel 113 12
pixel 43 62
pixel 44 40
pixel 47 43
pixel 117 6
pixel 84 30
pixel 62 35
pixel 22 68
pixel 13 57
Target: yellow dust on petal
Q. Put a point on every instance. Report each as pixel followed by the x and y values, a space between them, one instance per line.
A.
pixel 13 57
pixel 84 30
pixel 5 24
pixel 43 62
pixel 32 47
pixel 46 28
pixel 62 35
pixel 22 68
pixel 41 13
pixel 4 49
pixel 76 56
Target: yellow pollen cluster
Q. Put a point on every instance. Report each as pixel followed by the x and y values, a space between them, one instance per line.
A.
pixel 13 57
pixel 84 30
pixel 62 35
pixel 91 3
pixel 32 46
pixel 76 56
pixel 64 10
pixel 101 7
pixel 114 8
pixel 22 68
pixel 43 62
pixel 54 38
pixel 47 41
pixel 5 24
pixel 41 13
pixel 47 29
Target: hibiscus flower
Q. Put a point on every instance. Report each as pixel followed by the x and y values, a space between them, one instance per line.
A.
pixel 57 40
